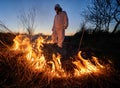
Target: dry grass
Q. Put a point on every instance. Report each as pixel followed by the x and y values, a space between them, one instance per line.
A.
pixel 15 73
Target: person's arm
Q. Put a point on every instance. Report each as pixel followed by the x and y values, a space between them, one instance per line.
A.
pixel 53 28
pixel 65 20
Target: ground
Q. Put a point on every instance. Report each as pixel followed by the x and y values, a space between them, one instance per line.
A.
pixel 15 74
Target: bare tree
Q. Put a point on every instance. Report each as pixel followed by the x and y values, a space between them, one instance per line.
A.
pixel 116 15
pixel 118 2
pixel 103 12
pixel 94 14
pixel 28 20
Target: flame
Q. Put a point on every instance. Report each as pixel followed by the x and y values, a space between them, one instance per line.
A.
pixel 53 68
pixel 86 66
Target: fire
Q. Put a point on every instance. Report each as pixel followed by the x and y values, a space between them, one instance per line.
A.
pixel 86 66
pixel 37 62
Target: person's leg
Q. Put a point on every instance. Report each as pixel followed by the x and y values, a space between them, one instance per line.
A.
pixel 54 38
pixel 61 36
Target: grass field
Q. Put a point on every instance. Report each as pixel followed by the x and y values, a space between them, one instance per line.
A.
pixel 17 72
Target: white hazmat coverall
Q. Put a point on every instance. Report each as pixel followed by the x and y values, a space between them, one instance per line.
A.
pixel 59 26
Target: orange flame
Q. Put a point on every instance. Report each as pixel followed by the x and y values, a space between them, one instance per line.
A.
pixel 86 66
pixel 53 68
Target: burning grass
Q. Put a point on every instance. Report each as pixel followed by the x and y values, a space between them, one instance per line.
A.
pixel 40 64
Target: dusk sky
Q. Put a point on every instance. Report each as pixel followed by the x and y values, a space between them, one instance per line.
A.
pixel 11 9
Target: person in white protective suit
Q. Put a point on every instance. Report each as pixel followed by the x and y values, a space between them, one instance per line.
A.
pixel 59 26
